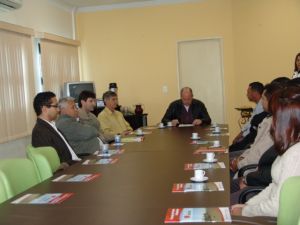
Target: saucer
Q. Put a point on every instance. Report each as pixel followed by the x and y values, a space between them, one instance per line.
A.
pixel 162 127
pixel 142 134
pixel 197 138
pixel 215 146
pixel 117 144
pixel 198 180
pixel 105 155
pixel 210 161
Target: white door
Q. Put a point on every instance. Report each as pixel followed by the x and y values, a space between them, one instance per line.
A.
pixel 200 67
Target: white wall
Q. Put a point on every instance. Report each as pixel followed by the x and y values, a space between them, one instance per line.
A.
pixel 14 149
pixel 42 16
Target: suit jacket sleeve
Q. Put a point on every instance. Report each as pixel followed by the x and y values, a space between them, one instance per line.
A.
pixel 261 177
pixel 44 135
pixel 170 113
pixel 200 112
pixel 41 138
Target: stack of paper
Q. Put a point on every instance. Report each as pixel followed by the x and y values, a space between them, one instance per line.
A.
pixel 198 187
pixel 203 166
pixel 76 178
pixel 49 198
pixel 189 215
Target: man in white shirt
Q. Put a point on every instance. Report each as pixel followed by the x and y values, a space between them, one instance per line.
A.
pixel 254 93
pixel 45 132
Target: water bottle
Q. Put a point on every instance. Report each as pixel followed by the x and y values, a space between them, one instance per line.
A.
pixel 117 138
pixel 105 148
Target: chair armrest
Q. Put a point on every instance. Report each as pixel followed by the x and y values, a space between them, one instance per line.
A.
pixel 251 190
pixel 245 168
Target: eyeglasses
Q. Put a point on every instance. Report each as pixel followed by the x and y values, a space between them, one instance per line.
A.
pixel 54 106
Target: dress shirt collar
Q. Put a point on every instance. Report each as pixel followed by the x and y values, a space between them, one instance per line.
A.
pixel 107 110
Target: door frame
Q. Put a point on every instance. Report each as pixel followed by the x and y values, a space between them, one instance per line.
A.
pixel 220 41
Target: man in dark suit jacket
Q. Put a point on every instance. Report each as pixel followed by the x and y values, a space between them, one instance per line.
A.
pixel 45 132
pixel 186 110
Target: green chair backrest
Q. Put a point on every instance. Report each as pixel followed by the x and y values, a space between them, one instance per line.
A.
pixel 45 159
pixel 289 210
pixel 3 192
pixel 17 175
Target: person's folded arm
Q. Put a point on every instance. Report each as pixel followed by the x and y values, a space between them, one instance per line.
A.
pixel 203 115
pixel 75 131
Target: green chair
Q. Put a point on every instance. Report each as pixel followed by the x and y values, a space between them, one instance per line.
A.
pixel 289 210
pixel 45 159
pixel 16 176
pixel 3 192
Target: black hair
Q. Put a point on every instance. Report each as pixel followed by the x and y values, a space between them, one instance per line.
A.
pixel 42 99
pixel 269 90
pixel 296 69
pixel 281 80
pixel 294 82
pixel 84 95
pixel 257 86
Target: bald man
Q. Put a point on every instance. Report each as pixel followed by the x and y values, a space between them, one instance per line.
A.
pixel 186 110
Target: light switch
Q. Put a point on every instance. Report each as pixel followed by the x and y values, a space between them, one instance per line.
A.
pixel 165 89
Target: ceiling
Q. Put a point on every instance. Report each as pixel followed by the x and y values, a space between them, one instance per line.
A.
pixel 92 5
pixel 85 3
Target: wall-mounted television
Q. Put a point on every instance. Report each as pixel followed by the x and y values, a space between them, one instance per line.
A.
pixel 73 89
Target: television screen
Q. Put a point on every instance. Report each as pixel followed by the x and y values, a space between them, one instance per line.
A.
pixel 75 88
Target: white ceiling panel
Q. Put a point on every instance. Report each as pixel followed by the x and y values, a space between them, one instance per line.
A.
pixel 93 5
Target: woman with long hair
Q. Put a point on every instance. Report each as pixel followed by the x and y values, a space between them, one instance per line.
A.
pixel 285 131
pixel 297 66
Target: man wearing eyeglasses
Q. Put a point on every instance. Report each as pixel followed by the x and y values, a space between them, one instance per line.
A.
pixel 45 133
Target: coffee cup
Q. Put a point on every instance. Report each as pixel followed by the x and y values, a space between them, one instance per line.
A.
pixel 217 129
pixel 169 124
pixel 194 135
pixel 216 143
pixel 210 156
pixel 161 125
pixel 199 174
pixel 139 131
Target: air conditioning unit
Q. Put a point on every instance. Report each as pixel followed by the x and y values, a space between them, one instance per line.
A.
pixel 6 5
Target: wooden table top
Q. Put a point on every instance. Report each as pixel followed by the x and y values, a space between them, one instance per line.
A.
pixel 136 190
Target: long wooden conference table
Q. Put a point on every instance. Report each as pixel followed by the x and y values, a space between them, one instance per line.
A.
pixel 136 190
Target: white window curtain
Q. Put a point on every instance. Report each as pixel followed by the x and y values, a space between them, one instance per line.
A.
pixel 16 82
pixel 60 64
